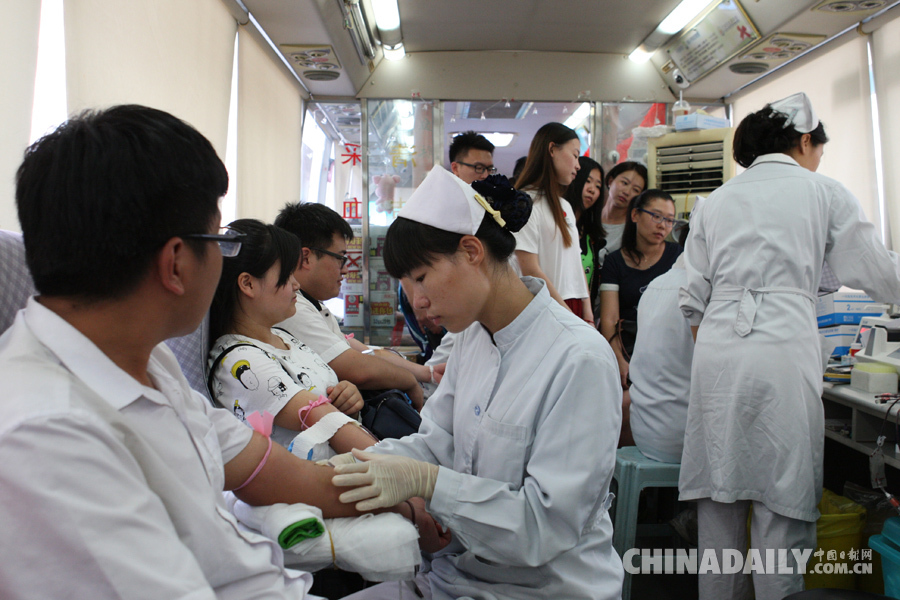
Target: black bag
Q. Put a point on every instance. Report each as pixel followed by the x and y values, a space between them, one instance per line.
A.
pixel 627 331
pixel 390 414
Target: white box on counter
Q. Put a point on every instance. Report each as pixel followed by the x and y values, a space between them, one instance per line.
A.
pixel 844 308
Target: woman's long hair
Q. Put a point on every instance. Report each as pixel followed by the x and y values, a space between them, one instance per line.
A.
pixel 629 235
pixel 587 221
pixel 539 173
pixel 261 246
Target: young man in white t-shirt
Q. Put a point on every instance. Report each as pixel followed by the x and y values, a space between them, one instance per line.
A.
pixel 324 236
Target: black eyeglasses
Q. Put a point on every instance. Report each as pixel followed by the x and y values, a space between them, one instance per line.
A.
pixel 340 257
pixel 479 168
pixel 229 240
pixel 658 218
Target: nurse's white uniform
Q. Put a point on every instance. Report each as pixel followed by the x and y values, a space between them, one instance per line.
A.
pixel 526 425
pixel 754 259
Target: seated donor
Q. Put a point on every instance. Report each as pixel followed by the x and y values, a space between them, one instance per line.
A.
pixel 645 254
pixel 255 367
pixel 517 446
pixel 660 369
pixel 113 468
pixel 323 238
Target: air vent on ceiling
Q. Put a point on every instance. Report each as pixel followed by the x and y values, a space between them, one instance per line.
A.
pixel 778 48
pixel 321 75
pixel 748 68
pixel 316 63
pixel 843 6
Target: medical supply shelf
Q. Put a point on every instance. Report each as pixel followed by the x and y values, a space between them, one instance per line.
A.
pixel 865 418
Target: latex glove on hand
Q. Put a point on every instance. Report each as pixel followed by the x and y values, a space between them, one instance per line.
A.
pixel 338 459
pixel 384 480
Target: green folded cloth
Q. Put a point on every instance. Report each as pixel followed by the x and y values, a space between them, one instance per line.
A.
pixel 302 530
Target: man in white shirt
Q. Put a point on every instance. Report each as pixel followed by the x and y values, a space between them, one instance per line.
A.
pixel 324 236
pixel 113 468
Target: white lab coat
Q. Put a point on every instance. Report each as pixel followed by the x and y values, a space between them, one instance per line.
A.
pixel 754 258
pixel 660 369
pixel 525 428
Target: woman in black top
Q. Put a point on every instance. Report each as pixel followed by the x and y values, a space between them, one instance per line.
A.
pixel 645 254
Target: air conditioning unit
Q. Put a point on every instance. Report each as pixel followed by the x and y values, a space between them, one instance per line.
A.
pixel 690 163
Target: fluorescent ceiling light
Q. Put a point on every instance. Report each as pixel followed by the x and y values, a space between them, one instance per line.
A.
pixel 498 139
pixel 683 14
pixel 676 20
pixel 387 15
pixel 640 55
pixel 577 117
pixel 395 52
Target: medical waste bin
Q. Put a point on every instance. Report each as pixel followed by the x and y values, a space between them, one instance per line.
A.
pixel 887 544
pixel 839 537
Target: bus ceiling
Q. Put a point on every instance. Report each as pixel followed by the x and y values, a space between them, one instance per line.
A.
pixel 545 51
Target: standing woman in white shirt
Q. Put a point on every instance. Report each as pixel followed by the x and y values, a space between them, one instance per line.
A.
pixel 755 425
pixel 547 246
pixel 517 445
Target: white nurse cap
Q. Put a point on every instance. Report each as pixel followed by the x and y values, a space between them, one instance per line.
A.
pixel 446 202
pixel 799 112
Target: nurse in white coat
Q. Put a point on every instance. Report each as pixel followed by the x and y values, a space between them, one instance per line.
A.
pixel 517 445
pixel 754 259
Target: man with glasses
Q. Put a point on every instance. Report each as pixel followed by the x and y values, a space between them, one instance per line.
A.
pixel 113 468
pixel 324 235
pixel 471 157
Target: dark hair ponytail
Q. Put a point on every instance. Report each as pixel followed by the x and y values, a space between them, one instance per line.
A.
pixel 768 131
pixel 262 246
pixel 410 244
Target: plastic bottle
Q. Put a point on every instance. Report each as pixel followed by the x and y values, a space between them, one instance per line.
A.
pixel 680 108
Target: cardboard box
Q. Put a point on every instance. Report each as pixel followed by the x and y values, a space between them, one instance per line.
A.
pixel 844 308
pixel 839 338
pixel 697 121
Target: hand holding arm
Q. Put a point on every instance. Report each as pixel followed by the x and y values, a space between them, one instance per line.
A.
pixel 432 537
pixel 383 480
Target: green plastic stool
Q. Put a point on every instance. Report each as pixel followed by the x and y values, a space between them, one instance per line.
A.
pixel 633 473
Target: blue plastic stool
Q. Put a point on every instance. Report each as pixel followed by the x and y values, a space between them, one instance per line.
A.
pixel 633 473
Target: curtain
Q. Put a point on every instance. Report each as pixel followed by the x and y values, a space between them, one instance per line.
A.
pixel 885 57
pixel 270 110
pixel 169 54
pixel 18 44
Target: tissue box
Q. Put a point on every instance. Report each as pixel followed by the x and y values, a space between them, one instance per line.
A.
pixel 697 121
pixel 844 308
pixel 839 336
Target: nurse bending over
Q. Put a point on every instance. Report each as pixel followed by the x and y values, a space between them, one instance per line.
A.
pixel 755 428
pixel 517 445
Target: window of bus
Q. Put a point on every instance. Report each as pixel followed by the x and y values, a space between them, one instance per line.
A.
pixel 400 153
pixel 331 166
